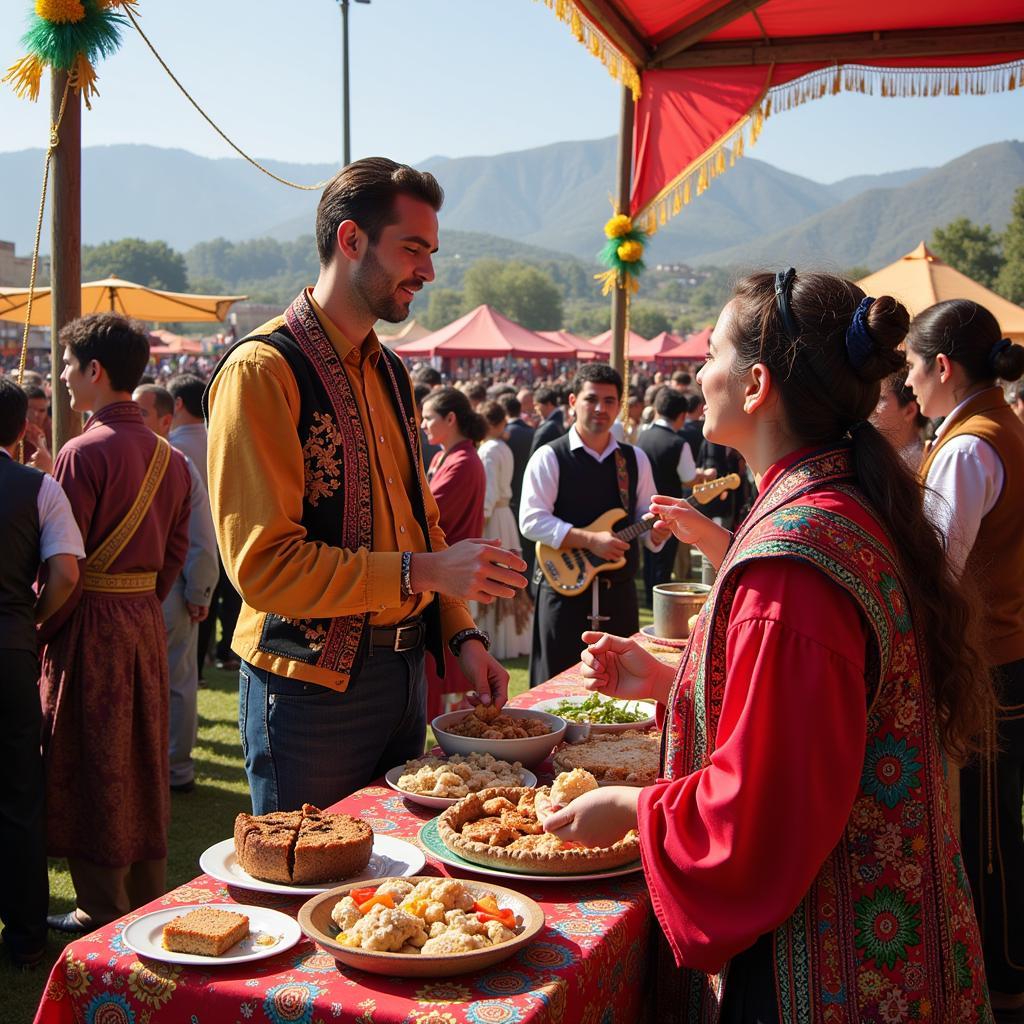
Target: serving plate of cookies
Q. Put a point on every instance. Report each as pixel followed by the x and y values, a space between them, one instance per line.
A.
pixel 423 926
pixel 306 852
pixel 438 782
pixel 211 934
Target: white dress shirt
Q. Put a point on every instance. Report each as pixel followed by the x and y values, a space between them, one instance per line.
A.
pixel 964 482
pixel 687 468
pixel 58 529
pixel 537 522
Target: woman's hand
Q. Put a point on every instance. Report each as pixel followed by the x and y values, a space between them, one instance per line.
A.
pixel 598 818
pixel 692 527
pixel 619 667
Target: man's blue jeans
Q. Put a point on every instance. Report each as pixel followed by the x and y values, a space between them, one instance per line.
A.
pixel 304 743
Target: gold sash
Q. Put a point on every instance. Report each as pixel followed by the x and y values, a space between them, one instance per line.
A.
pixel 96 578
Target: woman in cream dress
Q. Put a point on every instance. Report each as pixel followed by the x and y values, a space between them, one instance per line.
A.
pixel 508 620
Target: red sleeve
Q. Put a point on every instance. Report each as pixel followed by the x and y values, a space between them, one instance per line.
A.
pixel 458 488
pixel 730 850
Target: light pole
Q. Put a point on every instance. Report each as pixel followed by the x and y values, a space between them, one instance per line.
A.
pixel 346 143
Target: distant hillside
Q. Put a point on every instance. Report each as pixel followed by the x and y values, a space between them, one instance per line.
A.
pixel 880 225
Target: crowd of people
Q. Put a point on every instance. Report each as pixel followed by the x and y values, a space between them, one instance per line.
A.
pixel 837 825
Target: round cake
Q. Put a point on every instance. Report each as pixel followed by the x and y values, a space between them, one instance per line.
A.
pixel 302 847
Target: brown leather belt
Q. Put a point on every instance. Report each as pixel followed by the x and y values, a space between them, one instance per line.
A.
pixel 406 636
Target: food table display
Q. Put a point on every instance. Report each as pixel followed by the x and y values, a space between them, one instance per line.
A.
pixel 587 962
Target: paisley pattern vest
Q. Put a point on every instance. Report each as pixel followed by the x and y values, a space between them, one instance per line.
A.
pixel 887 931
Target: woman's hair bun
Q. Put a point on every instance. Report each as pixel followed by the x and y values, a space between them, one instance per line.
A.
pixel 1008 362
pixel 888 322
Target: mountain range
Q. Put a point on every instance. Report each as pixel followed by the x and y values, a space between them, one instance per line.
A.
pixel 553 198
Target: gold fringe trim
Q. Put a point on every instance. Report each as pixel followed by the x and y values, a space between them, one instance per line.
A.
pixel 696 177
pixel 617 64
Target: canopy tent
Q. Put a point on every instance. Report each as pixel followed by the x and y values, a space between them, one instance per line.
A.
pixel 920 279
pixel 657 348
pixel 693 348
pixel 701 76
pixel 411 331
pixel 167 343
pixel 126 297
pixel 600 346
pixel 485 334
pixel 566 338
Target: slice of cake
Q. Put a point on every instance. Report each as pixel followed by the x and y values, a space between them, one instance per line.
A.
pixel 205 932
pixel 330 846
pixel 264 844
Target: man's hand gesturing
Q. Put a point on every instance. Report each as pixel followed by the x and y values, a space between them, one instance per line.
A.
pixel 475 570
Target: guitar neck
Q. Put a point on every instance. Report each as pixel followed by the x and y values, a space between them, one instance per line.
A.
pixel 634 530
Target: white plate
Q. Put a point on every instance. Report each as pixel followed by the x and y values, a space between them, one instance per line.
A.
pixel 145 936
pixel 431 841
pixel 391 857
pixel 439 802
pixel 644 723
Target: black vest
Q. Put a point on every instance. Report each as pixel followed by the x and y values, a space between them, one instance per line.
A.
pixel 337 507
pixel 588 488
pixel 19 527
pixel 663 447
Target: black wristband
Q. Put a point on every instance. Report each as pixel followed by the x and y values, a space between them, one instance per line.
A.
pixel 406 577
pixel 456 642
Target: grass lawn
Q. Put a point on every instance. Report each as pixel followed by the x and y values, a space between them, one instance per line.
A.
pixel 198 820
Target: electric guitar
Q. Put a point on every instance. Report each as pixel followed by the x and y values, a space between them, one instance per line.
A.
pixel 571 570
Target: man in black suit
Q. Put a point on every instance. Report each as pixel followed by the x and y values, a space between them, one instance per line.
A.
pixel 552 426
pixel 692 430
pixel 519 437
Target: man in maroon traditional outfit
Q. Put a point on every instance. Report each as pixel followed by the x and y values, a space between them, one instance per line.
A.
pixel 104 682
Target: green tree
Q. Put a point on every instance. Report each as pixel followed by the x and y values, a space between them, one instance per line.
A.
pixel 521 292
pixel 443 306
pixel 648 319
pixel 971 248
pixel 588 320
pixel 154 264
pixel 1010 283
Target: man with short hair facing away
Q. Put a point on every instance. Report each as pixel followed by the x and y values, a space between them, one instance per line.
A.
pixel 325 521
pixel 674 471
pixel 568 484
pixel 38 529
pixel 552 422
pixel 528 410
pixel 104 681
pixel 187 606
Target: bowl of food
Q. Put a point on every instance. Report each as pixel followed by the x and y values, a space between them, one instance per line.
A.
pixel 596 713
pixel 440 782
pixel 511 734
pixel 421 927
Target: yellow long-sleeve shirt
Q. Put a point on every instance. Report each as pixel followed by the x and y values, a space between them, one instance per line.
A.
pixel 257 479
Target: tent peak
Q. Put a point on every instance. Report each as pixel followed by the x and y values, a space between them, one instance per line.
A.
pixel 922 252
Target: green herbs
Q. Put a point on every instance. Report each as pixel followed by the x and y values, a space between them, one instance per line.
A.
pixel 603 712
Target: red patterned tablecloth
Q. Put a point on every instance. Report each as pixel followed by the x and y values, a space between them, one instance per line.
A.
pixel 586 966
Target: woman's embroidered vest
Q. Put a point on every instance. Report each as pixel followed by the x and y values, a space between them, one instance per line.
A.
pixel 337 507
pixel 887 931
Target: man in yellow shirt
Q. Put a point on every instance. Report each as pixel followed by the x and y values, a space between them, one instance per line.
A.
pixel 325 522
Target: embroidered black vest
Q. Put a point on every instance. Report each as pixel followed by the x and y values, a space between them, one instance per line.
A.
pixel 337 506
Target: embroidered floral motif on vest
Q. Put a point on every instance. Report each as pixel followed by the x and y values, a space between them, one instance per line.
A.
pixel 321 454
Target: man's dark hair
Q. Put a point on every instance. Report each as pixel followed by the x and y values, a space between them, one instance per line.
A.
pixel 671 404
pixel 13 411
pixel 425 374
pixel 365 192
pixel 189 388
pixel 476 392
pixel 420 391
pixel 545 396
pixel 513 407
pixel 119 345
pixel 695 402
pixel 682 377
pixel 33 391
pixel 495 391
pixel 163 400
pixel 597 373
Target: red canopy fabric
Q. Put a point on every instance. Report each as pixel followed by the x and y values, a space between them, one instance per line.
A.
pixel 485 334
pixel 695 347
pixel 566 338
pixel 657 348
pixel 600 346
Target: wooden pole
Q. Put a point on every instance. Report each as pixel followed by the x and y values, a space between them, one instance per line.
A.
pixel 623 185
pixel 65 248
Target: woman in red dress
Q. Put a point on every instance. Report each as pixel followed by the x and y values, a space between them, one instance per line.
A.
pixel 458 482
pixel 802 859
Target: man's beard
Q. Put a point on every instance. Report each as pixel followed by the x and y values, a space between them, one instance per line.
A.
pixel 377 290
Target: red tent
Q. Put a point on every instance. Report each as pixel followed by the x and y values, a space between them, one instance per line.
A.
pixel 566 338
pixel 600 346
pixel 657 348
pixel 485 334
pixel 695 347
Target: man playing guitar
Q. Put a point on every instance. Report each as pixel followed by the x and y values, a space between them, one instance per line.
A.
pixel 568 483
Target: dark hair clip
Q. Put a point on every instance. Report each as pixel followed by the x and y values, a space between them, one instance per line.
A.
pixel 783 287
pixel 855 428
pixel 997 350
pixel 859 343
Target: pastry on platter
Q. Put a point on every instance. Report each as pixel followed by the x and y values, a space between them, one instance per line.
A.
pixel 621 758
pixel 499 828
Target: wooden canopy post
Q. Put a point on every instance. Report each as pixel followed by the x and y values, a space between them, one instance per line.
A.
pixel 65 247
pixel 623 186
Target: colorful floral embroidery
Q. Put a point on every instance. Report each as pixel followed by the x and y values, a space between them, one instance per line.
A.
pixel 109 1008
pixel 76 977
pixel 886 924
pixel 890 770
pixel 790 519
pixel 291 1003
pixel 491 1012
pixel 443 992
pixel 320 454
pixel 897 603
pixel 153 985
pixel 505 983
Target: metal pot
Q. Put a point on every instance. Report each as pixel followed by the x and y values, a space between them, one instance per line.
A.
pixel 674 605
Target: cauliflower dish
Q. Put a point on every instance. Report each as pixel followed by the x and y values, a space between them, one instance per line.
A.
pixel 459 775
pixel 435 917
pixel 486 722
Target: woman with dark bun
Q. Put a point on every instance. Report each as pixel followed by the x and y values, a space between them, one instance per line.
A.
pixel 974 471
pixel 800 851
pixel 457 482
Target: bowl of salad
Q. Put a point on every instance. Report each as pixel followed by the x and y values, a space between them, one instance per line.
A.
pixel 594 712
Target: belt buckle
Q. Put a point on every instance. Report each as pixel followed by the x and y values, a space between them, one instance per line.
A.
pixel 400 630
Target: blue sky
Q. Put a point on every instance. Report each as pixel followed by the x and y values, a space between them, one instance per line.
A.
pixel 451 77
